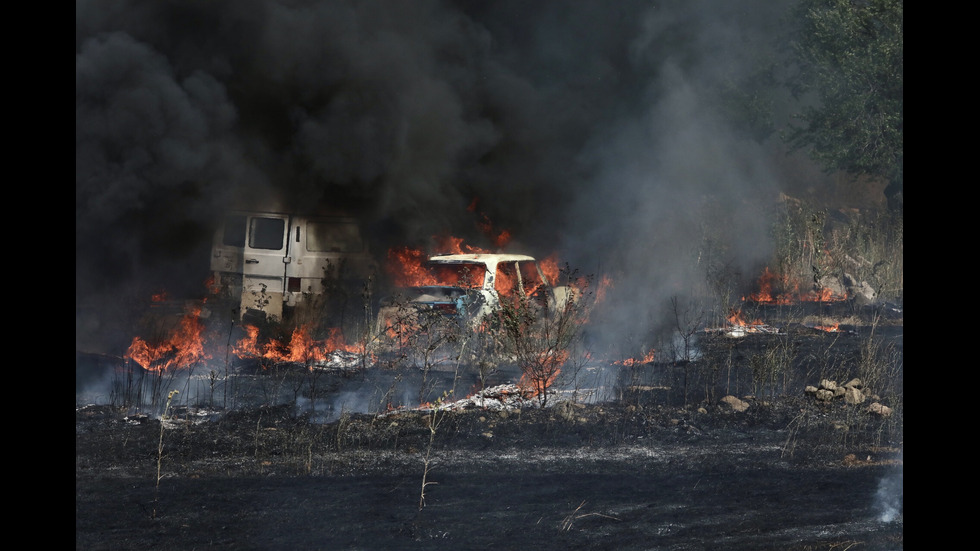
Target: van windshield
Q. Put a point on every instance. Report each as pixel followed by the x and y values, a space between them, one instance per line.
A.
pixel 467 275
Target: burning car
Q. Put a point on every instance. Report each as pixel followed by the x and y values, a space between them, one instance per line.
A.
pixel 466 288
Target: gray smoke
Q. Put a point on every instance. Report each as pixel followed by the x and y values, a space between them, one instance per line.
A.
pixel 593 129
pixel 890 497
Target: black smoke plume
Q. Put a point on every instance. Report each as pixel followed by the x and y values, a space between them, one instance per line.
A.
pixel 599 130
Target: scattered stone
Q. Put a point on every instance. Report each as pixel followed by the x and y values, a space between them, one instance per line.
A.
pixel 735 403
pixel 879 409
pixel 832 283
pixel 853 395
pixel 824 395
pixel 852 391
pixel 862 291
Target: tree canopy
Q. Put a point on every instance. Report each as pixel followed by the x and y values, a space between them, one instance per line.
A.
pixel 848 56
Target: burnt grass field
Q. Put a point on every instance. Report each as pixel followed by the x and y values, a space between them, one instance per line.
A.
pixel 658 462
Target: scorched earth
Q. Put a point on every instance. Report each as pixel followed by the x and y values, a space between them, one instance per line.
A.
pixel 654 468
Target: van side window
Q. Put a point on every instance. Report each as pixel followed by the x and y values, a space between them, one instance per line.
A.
pixel 234 234
pixel 338 237
pixel 266 233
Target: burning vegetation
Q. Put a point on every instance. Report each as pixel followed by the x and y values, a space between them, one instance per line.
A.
pixel 467 309
pixel 477 312
pixel 783 289
pixel 318 373
pixel 181 349
pixel 464 307
pixel 302 347
pixel 191 344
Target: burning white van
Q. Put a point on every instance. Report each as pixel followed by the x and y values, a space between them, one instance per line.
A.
pixel 271 262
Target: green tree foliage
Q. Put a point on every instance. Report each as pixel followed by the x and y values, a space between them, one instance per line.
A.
pixel 849 59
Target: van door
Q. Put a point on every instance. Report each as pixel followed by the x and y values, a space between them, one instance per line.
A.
pixel 265 257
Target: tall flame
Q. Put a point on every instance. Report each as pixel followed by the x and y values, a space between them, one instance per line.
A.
pixel 406 266
pixel 409 267
pixel 182 349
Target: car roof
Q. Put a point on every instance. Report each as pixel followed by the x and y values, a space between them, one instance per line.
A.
pixel 480 258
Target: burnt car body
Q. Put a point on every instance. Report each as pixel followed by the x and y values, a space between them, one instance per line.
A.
pixel 466 288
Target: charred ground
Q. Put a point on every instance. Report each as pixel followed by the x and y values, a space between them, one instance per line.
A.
pixel 663 465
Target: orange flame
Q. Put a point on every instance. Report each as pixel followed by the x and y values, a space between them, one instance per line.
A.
pixel 632 362
pixel 248 346
pixel 409 268
pixel 498 239
pixel 505 283
pixel 406 267
pixel 542 373
pixel 212 285
pixel 790 291
pixel 735 318
pixel 502 239
pixel 822 295
pixel 532 385
pixel 605 283
pixel 301 347
pixel 765 294
pixel 448 244
pixel 182 349
pixel 549 267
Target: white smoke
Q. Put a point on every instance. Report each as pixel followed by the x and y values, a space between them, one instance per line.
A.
pixel 889 497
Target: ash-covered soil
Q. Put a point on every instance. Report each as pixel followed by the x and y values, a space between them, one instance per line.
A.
pixel 784 474
pixel 274 459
